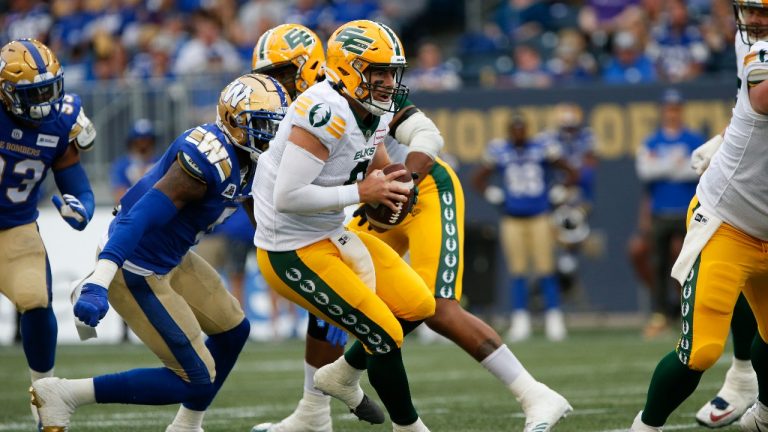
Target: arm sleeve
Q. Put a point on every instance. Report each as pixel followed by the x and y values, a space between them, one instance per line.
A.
pixel 419 133
pixel 294 191
pixel 72 180
pixel 153 210
pixel 756 64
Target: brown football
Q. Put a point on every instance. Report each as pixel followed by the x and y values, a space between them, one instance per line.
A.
pixel 381 216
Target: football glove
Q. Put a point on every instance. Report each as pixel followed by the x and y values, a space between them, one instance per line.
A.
pixel 92 305
pixel 701 157
pixel 72 210
pixel 334 335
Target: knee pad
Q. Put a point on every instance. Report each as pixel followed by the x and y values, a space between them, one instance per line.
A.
pixel 705 357
pixel 423 310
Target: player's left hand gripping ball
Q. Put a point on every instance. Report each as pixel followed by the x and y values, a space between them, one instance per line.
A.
pixel 72 210
pixel 92 305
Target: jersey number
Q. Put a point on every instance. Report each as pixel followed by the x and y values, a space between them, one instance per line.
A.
pixel 66 104
pixel 524 180
pixel 358 171
pixel 23 168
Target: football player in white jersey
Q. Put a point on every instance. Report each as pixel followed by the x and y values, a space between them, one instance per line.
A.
pixel 739 390
pixel 723 253
pixel 328 154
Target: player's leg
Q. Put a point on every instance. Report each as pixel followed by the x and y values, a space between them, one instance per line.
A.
pixel 220 317
pixel 707 301
pixel 739 390
pixel 26 282
pixel 542 246
pixel 163 320
pixel 756 417
pixel 315 278
pixel 513 232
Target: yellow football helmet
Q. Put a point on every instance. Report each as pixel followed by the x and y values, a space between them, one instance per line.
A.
pixel 292 54
pixel 249 111
pixel 751 20
pixel 353 50
pixel 31 80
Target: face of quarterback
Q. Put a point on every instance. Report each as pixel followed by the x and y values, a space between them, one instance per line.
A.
pixel 756 20
pixel 381 83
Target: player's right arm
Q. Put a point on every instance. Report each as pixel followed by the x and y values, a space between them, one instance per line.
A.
pixel 183 183
pixel 303 160
pixel 413 128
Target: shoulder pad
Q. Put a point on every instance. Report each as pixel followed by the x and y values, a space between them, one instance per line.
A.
pixel 202 152
pixel 322 119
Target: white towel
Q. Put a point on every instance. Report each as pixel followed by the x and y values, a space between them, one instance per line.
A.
pixel 702 226
pixel 84 331
pixel 356 256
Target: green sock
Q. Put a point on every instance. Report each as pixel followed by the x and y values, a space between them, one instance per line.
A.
pixel 743 328
pixel 386 374
pixel 671 384
pixel 356 356
pixel 759 363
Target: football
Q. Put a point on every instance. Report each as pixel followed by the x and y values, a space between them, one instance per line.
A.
pixel 381 216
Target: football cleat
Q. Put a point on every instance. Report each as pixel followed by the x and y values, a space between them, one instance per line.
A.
pixel 755 419
pixel 738 393
pixel 520 329
pixel 53 403
pixel 543 408
pixel 554 325
pixel 332 380
pixel 417 426
pixel 177 428
pixel 639 426
pixel 313 414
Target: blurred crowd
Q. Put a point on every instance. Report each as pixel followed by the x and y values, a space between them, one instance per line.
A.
pixel 518 43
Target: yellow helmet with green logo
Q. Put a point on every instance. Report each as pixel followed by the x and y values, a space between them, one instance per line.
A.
pixel 354 49
pixel 292 54
pixel 751 20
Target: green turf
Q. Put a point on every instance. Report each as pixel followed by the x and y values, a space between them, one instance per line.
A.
pixel 604 374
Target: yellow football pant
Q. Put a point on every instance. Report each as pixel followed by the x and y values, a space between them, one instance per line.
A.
pixel 24 267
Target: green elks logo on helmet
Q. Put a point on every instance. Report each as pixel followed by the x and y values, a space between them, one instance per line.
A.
pixel 295 37
pixel 352 40
pixel 319 114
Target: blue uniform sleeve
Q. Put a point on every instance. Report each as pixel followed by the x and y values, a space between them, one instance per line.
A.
pixel 153 210
pixel 73 181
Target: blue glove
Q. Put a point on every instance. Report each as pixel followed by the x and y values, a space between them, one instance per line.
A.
pixel 335 335
pixel 92 305
pixel 72 210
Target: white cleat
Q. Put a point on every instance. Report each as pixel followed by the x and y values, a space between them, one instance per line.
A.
pixel 554 325
pixel 417 426
pixel 177 428
pixel 639 426
pixel 53 402
pixel 342 381
pixel 543 408
pixel 738 393
pixel 520 329
pixel 309 416
pixel 755 419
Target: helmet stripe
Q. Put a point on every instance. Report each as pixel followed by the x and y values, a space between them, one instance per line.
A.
pixel 279 87
pixel 263 47
pixel 393 38
pixel 33 51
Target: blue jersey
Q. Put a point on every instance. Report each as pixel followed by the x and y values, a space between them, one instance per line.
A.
pixel 672 196
pixel 205 153
pixel 26 153
pixel 524 173
pixel 575 147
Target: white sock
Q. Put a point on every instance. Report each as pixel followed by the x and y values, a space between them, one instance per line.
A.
pixel 350 374
pixel 523 382
pixel 309 380
pixel 742 366
pixel 189 419
pixel 82 391
pixel 503 365
pixel 35 375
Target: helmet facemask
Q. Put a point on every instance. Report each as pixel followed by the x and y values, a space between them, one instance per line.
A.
pixel 751 20
pixel 36 102
pixel 376 97
pixel 259 127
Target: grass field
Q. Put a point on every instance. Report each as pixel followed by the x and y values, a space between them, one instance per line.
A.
pixel 604 374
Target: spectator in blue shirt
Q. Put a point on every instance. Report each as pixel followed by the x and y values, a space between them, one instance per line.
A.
pixel 678 47
pixel 663 165
pixel 629 65
pixel 141 156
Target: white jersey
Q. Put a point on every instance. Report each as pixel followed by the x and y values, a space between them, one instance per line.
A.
pixel 733 186
pixel 326 114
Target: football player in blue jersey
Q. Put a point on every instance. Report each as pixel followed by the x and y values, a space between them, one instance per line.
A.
pixel 167 294
pixel 41 128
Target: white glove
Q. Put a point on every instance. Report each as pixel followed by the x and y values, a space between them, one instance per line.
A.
pixel 703 154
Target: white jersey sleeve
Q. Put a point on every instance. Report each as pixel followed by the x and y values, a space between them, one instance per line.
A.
pixel 756 64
